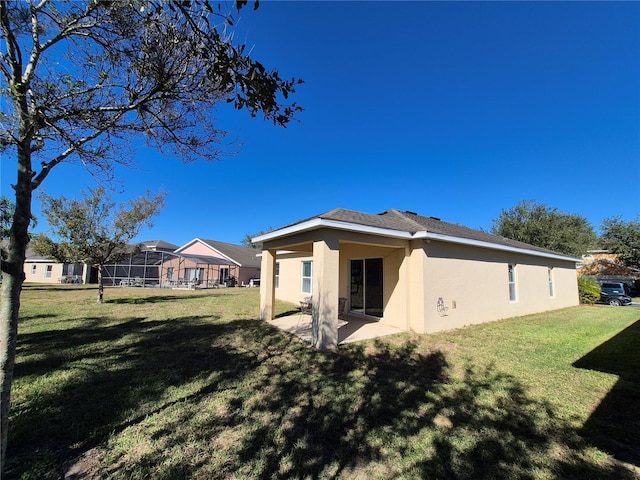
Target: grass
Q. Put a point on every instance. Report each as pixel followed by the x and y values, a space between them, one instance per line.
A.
pixel 189 385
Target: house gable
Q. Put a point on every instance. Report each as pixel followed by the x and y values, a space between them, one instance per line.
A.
pixel 240 256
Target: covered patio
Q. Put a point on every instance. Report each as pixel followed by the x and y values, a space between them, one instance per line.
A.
pixel 349 330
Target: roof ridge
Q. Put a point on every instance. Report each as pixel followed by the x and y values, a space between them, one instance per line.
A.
pixel 404 216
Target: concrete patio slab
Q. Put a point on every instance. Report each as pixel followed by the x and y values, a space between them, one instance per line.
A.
pixel 350 330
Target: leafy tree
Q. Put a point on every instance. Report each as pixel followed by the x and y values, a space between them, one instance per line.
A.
pixel 6 213
pixel 7 209
pixel 622 238
pixel 534 223
pixel 82 78
pixel 94 230
pixel 247 240
pixel 588 290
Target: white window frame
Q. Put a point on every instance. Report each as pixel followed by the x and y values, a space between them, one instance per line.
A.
pixel 48 271
pixel 224 274
pixel 277 275
pixel 513 285
pixel 552 289
pixel 33 269
pixel 306 284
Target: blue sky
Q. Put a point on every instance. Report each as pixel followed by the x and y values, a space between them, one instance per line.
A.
pixel 451 109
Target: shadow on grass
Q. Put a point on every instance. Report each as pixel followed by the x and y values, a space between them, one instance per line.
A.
pixel 615 425
pixel 60 288
pixel 188 398
pixel 152 299
pixel 37 317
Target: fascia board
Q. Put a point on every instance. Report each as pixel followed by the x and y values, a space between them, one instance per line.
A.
pixel 354 227
pixel 316 223
pixel 187 245
pixel 494 246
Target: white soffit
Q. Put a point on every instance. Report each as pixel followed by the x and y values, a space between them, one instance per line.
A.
pixel 316 223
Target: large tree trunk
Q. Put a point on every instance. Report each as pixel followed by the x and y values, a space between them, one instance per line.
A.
pixel 11 288
pixel 13 278
pixel 13 266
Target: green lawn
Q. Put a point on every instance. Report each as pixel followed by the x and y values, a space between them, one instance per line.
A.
pixel 159 384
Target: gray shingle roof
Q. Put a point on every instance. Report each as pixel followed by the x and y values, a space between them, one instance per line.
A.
pixel 404 221
pixel 245 256
pixel 159 245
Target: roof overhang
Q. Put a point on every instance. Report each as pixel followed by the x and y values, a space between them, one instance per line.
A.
pixel 493 246
pixel 317 223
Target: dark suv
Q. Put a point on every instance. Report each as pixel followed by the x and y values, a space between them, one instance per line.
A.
pixel 614 294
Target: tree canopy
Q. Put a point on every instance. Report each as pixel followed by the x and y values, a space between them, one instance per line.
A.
pixel 94 230
pixel 6 213
pixel 622 238
pixel 83 78
pixel 534 223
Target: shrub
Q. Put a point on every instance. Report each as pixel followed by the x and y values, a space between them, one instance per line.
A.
pixel 588 289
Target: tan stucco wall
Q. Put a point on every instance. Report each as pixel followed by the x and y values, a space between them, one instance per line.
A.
pixel 40 272
pixel 471 281
pixel 473 285
pixel 290 277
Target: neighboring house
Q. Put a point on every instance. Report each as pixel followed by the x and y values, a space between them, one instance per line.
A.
pixel 605 267
pixel 141 266
pixel 39 269
pixel 210 263
pixel 409 271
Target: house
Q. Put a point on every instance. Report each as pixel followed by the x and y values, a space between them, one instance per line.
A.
pixel 40 269
pixel 606 267
pixel 408 271
pixel 209 263
pixel 140 266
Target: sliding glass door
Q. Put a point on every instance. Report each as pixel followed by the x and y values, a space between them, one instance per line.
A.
pixel 366 286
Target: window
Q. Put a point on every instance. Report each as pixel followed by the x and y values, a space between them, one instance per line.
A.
pixel 223 275
pixel 277 274
pixel 306 277
pixel 551 289
pixel 47 274
pixel 33 269
pixel 170 273
pixel 512 283
pixel 194 274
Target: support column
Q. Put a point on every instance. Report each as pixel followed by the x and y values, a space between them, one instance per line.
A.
pixel 326 278
pixel 417 287
pixel 267 285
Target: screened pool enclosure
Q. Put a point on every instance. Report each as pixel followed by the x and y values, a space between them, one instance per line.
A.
pixel 158 269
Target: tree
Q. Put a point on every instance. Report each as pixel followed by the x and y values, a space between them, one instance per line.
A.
pixel 83 78
pixel 6 213
pixel 534 223
pixel 247 240
pixel 94 230
pixel 622 238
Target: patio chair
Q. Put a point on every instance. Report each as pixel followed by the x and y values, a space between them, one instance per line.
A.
pixel 306 305
pixel 342 305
